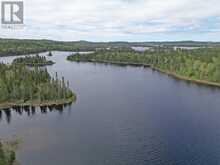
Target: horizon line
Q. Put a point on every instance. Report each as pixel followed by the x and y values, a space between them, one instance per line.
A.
pixel 110 41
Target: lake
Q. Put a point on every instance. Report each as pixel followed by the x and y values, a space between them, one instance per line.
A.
pixel 122 116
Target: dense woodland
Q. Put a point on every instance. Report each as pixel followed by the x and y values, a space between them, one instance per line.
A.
pixel 10 47
pixel 20 85
pixel 199 64
pixel 33 61
pixel 7 156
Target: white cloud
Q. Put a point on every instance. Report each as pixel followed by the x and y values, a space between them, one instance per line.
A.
pixel 112 19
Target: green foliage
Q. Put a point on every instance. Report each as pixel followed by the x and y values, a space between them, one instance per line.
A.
pixel 7 157
pixel 21 84
pixel 10 47
pixel 199 64
pixel 33 61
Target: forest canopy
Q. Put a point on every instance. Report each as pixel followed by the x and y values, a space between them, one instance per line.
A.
pixel 9 47
pixel 20 85
pixel 33 61
pixel 199 64
pixel 7 156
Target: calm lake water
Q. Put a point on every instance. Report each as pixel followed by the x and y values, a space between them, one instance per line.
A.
pixel 123 116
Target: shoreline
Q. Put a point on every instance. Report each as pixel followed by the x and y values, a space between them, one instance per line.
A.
pixel 36 64
pixel 22 54
pixel 183 78
pixel 45 51
pixel 173 75
pixel 60 102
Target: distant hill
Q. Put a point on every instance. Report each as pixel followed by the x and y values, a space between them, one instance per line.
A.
pixel 25 46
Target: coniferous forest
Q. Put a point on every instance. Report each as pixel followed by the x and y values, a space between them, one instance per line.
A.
pixel 21 86
pixel 7 156
pixel 33 61
pixel 9 47
pixel 200 65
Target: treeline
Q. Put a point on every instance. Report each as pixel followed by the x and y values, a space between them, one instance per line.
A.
pixel 20 85
pixel 33 61
pixel 199 64
pixel 7 156
pixel 10 47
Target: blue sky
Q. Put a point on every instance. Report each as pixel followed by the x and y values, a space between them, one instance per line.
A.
pixel 119 20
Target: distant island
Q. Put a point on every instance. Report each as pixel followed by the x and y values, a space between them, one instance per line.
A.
pixel 32 61
pixel 198 65
pixel 21 86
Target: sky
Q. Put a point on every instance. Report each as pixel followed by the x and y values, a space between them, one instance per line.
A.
pixel 119 20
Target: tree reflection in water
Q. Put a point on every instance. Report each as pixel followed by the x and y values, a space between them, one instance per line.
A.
pixel 7 114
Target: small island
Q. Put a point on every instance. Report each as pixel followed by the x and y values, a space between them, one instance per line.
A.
pixel 33 61
pixel 22 87
pixel 200 66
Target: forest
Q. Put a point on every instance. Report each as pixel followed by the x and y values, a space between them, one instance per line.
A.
pixel 32 61
pixel 20 86
pixel 9 47
pixel 198 64
pixel 7 156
